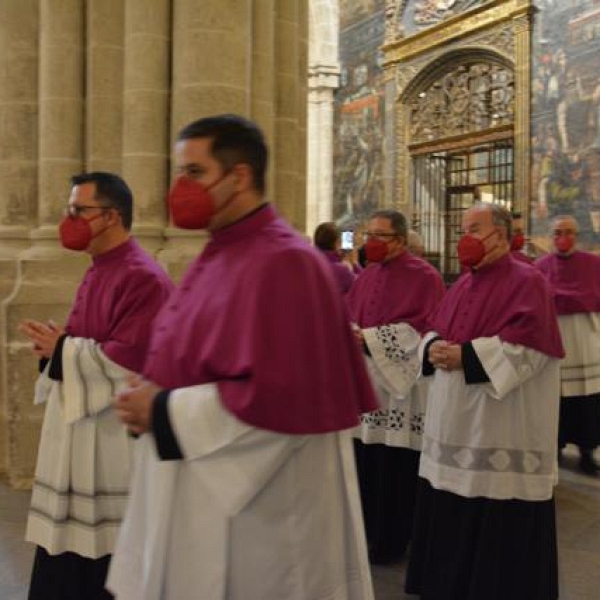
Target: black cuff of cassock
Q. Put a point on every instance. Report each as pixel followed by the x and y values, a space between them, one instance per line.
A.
pixel 472 367
pixel 56 367
pixel 365 349
pixel 427 367
pixel 42 364
pixel 164 436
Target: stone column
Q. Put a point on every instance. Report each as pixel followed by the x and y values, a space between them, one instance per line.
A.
pixel 322 82
pixel 211 64
pixel 19 32
pixel 104 94
pixel 291 68
pixel 262 78
pixel 61 70
pixel 146 115
pixel 47 275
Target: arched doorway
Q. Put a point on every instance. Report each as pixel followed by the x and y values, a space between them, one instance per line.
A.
pixel 461 147
pixel 459 128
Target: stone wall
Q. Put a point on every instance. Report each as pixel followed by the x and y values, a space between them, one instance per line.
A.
pixel 106 85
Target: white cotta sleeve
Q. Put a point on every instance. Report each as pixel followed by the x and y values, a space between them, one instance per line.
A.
pixel 222 449
pixel 90 379
pixel 43 386
pixel 507 365
pixel 394 350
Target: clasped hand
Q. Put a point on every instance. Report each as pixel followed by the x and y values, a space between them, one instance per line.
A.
pixel 133 404
pixel 43 336
pixel 445 355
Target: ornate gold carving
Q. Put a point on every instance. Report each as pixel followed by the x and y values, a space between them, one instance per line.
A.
pixel 430 12
pixel 393 16
pixel 468 99
pixel 461 26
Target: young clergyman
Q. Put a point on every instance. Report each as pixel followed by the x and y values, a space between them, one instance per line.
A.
pixel 245 486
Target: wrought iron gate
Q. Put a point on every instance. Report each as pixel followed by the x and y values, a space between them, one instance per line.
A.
pixel 446 183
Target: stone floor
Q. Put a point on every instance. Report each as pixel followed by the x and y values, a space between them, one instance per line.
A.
pixel 578 514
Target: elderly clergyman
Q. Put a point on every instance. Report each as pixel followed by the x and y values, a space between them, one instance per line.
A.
pixel 575 277
pixel 485 520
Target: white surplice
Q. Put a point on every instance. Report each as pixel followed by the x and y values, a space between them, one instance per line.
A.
pixel 496 439
pixel 84 459
pixel 580 369
pixel 248 514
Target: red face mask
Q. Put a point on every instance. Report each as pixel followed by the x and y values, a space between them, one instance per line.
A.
pixel 517 241
pixel 191 204
pixel 76 232
pixel 564 243
pixel 471 250
pixel 376 250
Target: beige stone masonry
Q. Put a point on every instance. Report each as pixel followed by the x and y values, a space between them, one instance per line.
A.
pixel 106 85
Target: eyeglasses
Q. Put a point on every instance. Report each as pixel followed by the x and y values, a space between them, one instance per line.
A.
pixel 379 236
pixel 76 210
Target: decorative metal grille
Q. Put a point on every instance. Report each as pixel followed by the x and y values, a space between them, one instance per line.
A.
pixel 469 99
pixel 445 184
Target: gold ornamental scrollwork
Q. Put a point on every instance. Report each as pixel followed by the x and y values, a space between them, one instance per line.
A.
pixel 469 99
pixel 458 27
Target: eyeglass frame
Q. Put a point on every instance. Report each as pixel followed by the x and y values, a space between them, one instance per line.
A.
pixel 76 210
pixel 380 236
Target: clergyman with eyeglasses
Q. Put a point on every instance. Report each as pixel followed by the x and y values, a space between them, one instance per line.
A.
pixel 84 460
pixel 389 305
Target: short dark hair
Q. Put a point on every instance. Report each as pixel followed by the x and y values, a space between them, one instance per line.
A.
pixel 326 235
pixel 235 140
pixel 397 221
pixel 111 191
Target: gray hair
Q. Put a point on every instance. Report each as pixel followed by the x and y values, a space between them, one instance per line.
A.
pixel 500 216
pixel 558 218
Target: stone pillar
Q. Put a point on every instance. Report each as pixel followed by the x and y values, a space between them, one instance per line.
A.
pixel 262 83
pixel 146 115
pixel 291 68
pixel 104 94
pixel 19 32
pixel 322 82
pixel 47 275
pixel 61 70
pixel 211 63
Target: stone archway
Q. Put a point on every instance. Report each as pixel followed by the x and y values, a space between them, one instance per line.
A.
pixel 323 80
